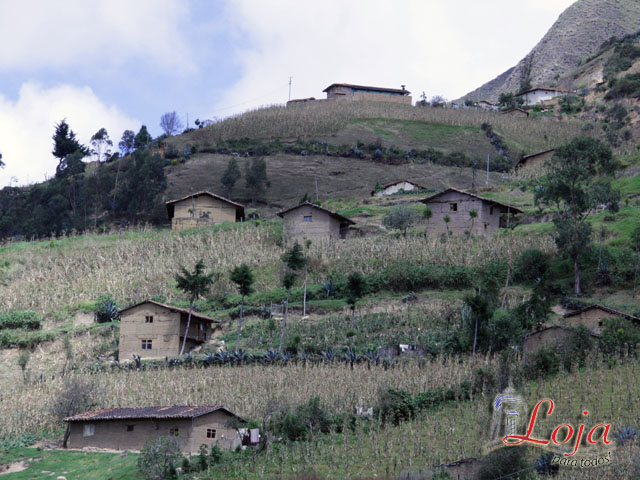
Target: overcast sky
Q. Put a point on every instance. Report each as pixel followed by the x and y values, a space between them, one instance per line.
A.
pixel 119 64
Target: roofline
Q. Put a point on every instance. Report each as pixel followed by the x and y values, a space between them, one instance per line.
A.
pixel 214 408
pixel 516 109
pixel 171 203
pixel 603 308
pixel 399 181
pixel 366 87
pixel 551 327
pixel 545 89
pixel 326 210
pixel 525 157
pixel 172 308
pixel 488 200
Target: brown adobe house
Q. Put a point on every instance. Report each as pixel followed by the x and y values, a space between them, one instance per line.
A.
pixel 516 112
pixel 395 187
pixel 132 428
pixel 309 221
pixel 154 330
pixel 551 337
pixel 534 160
pixel 456 204
pixel 201 209
pixel 349 92
pixel 593 317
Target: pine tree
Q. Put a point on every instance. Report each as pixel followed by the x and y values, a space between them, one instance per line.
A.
pixel 230 176
pixel 242 276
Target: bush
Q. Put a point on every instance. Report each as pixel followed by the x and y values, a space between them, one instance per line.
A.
pixel 27 320
pixel 304 421
pixel 544 363
pixel 504 329
pixel 159 458
pixel 394 406
pixel 618 336
pixel 25 339
pixel 530 265
pixel 502 463
pixel 106 309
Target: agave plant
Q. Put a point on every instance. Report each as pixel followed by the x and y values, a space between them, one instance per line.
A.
pixel 222 357
pixel 329 355
pixel 270 356
pixel 138 361
pixel 209 359
pixel 625 435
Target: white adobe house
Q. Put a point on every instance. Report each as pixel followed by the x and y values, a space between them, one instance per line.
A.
pixel 538 95
pixel 395 187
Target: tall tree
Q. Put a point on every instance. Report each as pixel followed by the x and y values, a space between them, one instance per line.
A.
pixel 65 141
pixel 142 138
pixel 294 261
pixel 242 276
pixel 575 184
pixel 1 162
pixel 256 177
pixel 196 284
pixel 101 144
pixel 170 123
pixel 356 288
pixel 127 143
pixel 230 176
pixel 71 165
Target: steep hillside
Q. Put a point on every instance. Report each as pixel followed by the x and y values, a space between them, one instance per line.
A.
pixel 577 33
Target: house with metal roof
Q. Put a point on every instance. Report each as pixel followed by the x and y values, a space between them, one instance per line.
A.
pixel 350 92
pixel 201 209
pixel 309 221
pixel 155 330
pixel 132 428
pixel 396 187
pixel 451 213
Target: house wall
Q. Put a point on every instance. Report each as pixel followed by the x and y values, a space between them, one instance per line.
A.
pixel 550 338
pixel 535 162
pixel 406 186
pixel 206 211
pixel 590 319
pixel 346 93
pixel 163 332
pixel 199 330
pixel 323 226
pixel 539 96
pixel 485 223
pixel 113 434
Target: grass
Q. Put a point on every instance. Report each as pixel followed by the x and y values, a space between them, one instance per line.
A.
pixel 73 465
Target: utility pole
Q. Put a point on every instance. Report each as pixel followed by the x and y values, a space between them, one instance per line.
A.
pixel 317 198
pixel 290 78
pixel 488 162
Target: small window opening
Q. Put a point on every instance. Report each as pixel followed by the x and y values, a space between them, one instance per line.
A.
pixel 88 430
pixel 453 207
pixel 211 433
pixel 148 319
pixel 308 218
pixel 146 344
pixel 174 432
pixel 130 428
pixel 491 211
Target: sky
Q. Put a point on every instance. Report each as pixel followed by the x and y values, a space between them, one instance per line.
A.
pixel 119 64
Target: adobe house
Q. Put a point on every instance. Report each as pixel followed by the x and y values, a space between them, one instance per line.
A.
pixel 395 187
pixel 535 160
pixel 308 221
pixel 132 428
pixel 551 337
pixel 487 105
pixel 465 469
pixel 347 91
pixel 516 112
pixel 202 208
pixel 594 316
pixel 155 330
pixel 538 95
pixel 300 101
pixel 456 204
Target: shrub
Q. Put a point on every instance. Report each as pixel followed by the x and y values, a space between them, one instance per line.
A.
pixel 106 309
pixel 544 363
pixel 394 406
pixel 502 463
pixel 304 421
pixel 530 265
pixel 505 329
pixel 618 336
pixel 159 457
pixel 27 320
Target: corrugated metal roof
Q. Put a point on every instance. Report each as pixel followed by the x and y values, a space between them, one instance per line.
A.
pixel 155 413
pixel 365 87
pixel 173 308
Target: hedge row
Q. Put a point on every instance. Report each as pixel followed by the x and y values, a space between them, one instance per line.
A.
pixel 20 320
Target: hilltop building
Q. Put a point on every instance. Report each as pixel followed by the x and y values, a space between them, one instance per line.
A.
pixel 396 187
pixel 538 95
pixel 456 205
pixel 155 330
pixel 202 208
pixel 131 428
pixel 309 221
pixel 350 92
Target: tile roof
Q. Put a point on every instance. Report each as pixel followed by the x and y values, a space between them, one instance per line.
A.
pixel 604 309
pixel 334 214
pixel 544 89
pixel 171 203
pixel 365 87
pixel 488 200
pixel 173 308
pixel 155 413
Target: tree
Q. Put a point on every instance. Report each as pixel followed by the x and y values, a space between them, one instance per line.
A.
pixel 196 284
pixel 142 138
pixel 170 123
pixel 256 177
pixel 101 144
pixel 127 143
pixel 307 245
pixel 65 142
pixel 400 218
pixel 1 162
pixel 242 276
pixel 572 188
pixel 508 100
pixel 447 219
pixel 635 245
pixel 23 361
pixel 356 288
pixel 294 260
pixel 159 458
pixel 427 213
pixel 71 165
pixel 77 396
pixel 230 176
pixel 473 214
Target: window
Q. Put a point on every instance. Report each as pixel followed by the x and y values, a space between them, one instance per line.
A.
pixel 148 319
pixel 211 433
pixel 89 430
pixel 453 207
pixel 146 344
pixel 491 210
pixel 174 432
pixel 308 218
pixel 130 428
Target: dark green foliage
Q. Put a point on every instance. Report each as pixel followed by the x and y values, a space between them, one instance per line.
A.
pixel 294 257
pixel 196 283
pixel 356 288
pixel 504 329
pixel 508 100
pixel 142 139
pixel 142 185
pixel 400 218
pixel 530 266
pixel 242 276
pixel 544 466
pixel 159 458
pixel 624 53
pixel 256 177
pixel 394 406
pixel 215 455
pixel 230 176
pixel 65 142
pixel 574 349
pixel 619 336
pixel 71 165
pixel 502 463
pixel 407 277
pixel 570 104
pixel 288 280
pixel 106 309
pixel 27 320
pixel 615 119
pixel 305 421
pixel 625 87
pixel 25 339
pixel 545 362
pixel 127 143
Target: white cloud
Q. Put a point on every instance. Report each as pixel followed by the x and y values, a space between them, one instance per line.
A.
pixel 27 125
pixel 441 47
pixel 36 34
